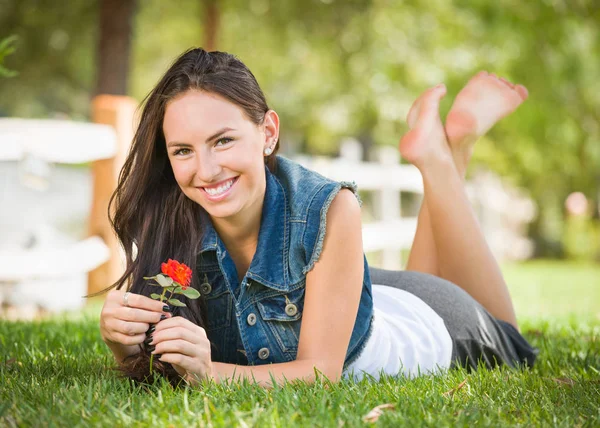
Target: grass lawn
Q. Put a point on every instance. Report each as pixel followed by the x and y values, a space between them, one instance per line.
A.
pixel 57 372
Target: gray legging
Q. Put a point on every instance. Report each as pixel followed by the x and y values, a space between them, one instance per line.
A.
pixel 477 337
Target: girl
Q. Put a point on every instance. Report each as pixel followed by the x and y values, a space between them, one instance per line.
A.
pixel 276 249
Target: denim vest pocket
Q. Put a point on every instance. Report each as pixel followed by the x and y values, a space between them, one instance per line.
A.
pixel 282 314
pixel 218 299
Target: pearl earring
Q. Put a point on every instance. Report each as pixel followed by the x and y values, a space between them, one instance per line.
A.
pixel 268 151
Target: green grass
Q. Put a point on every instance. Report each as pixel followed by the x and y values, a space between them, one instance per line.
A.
pixel 57 372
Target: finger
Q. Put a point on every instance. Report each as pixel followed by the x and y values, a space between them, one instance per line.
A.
pixel 139 315
pixel 179 359
pixel 143 302
pixel 178 346
pixel 178 322
pixel 130 328
pixel 125 339
pixel 178 333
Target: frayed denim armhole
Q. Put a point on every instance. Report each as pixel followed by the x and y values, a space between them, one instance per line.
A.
pixel 356 353
pixel 323 221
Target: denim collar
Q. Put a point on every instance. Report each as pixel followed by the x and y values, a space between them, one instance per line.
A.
pixel 269 265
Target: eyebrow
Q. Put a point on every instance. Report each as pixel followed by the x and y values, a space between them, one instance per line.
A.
pixel 209 139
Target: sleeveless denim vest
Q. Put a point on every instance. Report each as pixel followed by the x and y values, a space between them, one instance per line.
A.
pixel 258 320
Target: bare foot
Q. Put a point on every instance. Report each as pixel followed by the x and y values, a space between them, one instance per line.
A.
pixel 479 105
pixel 426 141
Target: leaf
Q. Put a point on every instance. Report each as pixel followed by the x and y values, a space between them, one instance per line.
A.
pixel 164 281
pixel 175 302
pixel 155 296
pixel 564 381
pixel 376 412
pixel 6 72
pixel 149 277
pixel 8 45
pixel 190 293
pixel 453 390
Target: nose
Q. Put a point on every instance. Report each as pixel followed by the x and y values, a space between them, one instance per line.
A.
pixel 208 167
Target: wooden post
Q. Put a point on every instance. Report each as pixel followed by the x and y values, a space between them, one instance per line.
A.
pixel 119 112
pixel 387 205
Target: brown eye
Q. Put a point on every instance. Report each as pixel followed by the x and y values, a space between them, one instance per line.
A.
pixel 177 152
pixel 224 141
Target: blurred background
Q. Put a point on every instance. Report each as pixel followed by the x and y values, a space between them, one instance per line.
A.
pixel 342 76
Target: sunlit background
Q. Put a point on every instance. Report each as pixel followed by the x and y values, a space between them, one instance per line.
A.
pixel 342 76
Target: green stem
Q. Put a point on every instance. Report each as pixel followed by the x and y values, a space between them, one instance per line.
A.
pixel 162 296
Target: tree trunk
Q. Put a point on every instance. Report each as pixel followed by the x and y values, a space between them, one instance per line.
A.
pixel 116 18
pixel 211 24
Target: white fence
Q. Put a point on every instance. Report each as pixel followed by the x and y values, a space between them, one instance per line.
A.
pixel 386 179
pixel 503 212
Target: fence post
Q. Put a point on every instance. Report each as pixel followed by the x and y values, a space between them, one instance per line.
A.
pixel 119 112
pixel 387 205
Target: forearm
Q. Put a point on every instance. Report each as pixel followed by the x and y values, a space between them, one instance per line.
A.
pixel 294 370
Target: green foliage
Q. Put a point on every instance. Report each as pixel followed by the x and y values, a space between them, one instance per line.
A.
pixel 55 371
pixel 335 68
pixel 581 238
pixel 7 47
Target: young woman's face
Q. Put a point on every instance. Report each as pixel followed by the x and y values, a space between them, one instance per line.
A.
pixel 217 153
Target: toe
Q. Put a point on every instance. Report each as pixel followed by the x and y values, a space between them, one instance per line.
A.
pixel 522 91
pixel 417 107
pixel 431 101
pixel 510 85
pixel 411 117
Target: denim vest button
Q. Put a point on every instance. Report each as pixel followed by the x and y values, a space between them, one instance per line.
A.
pixel 291 309
pixel 263 354
pixel 251 319
pixel 205 288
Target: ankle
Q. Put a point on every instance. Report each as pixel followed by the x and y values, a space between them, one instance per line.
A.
pixel 440 165
pixel 461 157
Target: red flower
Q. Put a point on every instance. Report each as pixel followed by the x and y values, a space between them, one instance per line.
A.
pixel 178 272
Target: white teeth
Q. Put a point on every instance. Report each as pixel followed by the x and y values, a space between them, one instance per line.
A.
pixel 219 190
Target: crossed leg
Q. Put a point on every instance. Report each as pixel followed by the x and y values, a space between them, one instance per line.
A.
pixel 448 242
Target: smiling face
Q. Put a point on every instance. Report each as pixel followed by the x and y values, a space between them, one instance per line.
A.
pixel 216 153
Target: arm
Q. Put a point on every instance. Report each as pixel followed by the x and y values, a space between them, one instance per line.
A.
pixel 333 289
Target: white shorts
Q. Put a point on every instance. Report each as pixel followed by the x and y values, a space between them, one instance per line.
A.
pixel 408 337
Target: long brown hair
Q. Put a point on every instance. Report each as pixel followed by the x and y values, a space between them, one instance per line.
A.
pixel 150 210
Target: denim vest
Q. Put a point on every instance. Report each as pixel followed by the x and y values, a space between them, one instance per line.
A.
pixel 258 320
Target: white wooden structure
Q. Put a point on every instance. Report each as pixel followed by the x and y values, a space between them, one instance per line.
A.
pixel 47 272
pixel 387 179
pixel 36 273
pixel 53 270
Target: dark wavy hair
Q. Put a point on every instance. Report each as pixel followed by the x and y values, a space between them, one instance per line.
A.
pixel 147 186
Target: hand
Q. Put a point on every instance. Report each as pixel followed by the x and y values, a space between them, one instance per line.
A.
pixel 127 324
pixel 185 345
